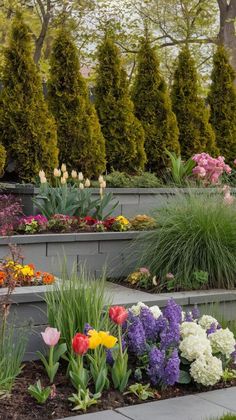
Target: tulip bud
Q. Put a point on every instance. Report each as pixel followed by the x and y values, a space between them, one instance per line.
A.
pixel 73 174
pixel 81 186
pixel 87 183
pixel 65 175
pixel 42 174
pixel 43 180
pixel 100 179
pixel 80 176
pixel 63 180
pixel 57 172
pixel 63 167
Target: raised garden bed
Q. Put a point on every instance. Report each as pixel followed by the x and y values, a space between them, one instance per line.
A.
pixel 29 307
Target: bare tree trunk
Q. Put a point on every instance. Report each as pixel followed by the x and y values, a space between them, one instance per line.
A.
pixel 45 19
pixel 227 33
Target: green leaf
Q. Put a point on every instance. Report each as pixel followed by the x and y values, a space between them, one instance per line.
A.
pixel 184 377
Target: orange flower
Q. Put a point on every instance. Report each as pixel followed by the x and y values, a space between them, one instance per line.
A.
pixel 48 278
pixel 32 266
pixel 38 274
pixel 2 277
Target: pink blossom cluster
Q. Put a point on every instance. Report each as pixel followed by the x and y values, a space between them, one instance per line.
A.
pixel 210 169
pixel 39 218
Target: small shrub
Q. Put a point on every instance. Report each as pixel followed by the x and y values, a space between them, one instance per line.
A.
pixel 118 179
pixel 143 222
pixel 195 233
pixel 10 213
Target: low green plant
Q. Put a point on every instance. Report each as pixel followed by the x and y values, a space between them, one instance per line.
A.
pixel 143 392
pixel 196 233
pixel 180 170
pixel 118 179
pixel 84 399
pixel 39 393
pixel 99 370
pixel 75 300
pixel 227 416
pixel 52 365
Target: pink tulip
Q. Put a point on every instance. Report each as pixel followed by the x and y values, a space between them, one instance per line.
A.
pixel 51 336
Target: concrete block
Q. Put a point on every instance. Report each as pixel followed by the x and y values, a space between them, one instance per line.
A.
pixel 224 397
pixel 101 415
pixel 113 246
pixel 35 313
pixel 73 248
pixel 31 252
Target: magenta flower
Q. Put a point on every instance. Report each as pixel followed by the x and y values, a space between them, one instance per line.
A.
pixel 51 336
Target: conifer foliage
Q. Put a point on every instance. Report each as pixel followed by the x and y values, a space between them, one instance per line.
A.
pixel 27 130
pixel 222 101
pixel 2 158
pixel 80 140
pixel 153 108
pixel 123 132
pixel 195 132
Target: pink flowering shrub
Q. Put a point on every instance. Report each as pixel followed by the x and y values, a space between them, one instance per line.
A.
pixel 210 169
pixel 10 213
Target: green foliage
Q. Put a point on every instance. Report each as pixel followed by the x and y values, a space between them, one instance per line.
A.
pixel 122 131
pixel 39 393
pixel 196 233
pixel 80 140
pixel 222 101
pixel 143 392
pixel 52 365
pixel 84 399
pixel 3 156
pixel 195 132
pixel 27 130
pixel 180 170
pixel 153 108
pixel 74 301
pixel 118 179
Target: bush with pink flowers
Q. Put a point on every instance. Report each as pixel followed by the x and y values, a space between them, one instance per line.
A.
pixel 210 169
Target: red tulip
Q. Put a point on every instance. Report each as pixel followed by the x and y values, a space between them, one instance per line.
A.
pixel 80 343
pixel 118 314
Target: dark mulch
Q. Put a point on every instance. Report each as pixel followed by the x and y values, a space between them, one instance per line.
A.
pixel 21 406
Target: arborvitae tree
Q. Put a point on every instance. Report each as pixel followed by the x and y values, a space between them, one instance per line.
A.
pixel 123 132
pixel 27 130
pixel 153 108
pixel 80 140
pixel 222 101
pixel 195 132
pixel 3 156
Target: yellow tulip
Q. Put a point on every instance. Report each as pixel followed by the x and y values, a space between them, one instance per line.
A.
pixel 94 339
pixel 107 340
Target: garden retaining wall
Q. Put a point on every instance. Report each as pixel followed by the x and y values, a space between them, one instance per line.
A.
pixel 132 201
pixel 29 308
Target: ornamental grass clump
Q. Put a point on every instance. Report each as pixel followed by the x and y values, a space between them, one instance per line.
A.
pixel 195 233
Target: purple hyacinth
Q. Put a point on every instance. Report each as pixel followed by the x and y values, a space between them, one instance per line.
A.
pixel 149 324
pixel 188 317
pixel 212 328
pixel 136 337
pixel 195 312
pixel 87 328
pixel 109 357
pixel 161 324
pixel 156 363
pixel 171 371
pixel 173 312
pixel 170 336
pixel 233 355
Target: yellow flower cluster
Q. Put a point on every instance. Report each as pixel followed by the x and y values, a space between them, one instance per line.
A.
pixel 24 270
pixel 103 338
pixel 134 277
pixel 122 220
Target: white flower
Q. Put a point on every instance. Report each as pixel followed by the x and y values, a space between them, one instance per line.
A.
pixel 103 184
pixel 156 312
pixel 206 370
pixel 135 309
pixel 100 179
pixel 65 175
pixel 191 328
pixel 73 174
pixel 87 183
pixel 222 341
pixel 81 186
pixel 63 181
pixel 80 176
pixel 195 346
pixel 42 174
pixel 63 167
pixel 43 180
pixel 57 172
pixel 183 315
pixel 206 321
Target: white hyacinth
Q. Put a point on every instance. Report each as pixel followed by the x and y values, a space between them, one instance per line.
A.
pixel 156 312
pixel 136 309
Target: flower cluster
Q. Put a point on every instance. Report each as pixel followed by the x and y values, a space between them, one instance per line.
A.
pixel 10 213
pixel 32 224
pixel 141 278
pixel 208 168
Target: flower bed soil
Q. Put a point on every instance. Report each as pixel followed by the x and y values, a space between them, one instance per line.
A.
pixel 21 406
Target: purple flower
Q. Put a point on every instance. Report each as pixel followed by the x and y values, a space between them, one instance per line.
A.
pixel 161 324
pixel 195 312
pixel 136 336
pixel 188 317
pixel 173 312
pixel 87 328
pixel 156 363
pixel 149 324
pixel 109 357
pixel 171 370
pixel 170 336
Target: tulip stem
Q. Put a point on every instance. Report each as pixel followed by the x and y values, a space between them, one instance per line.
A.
pixel 120 340
pixel 51 364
